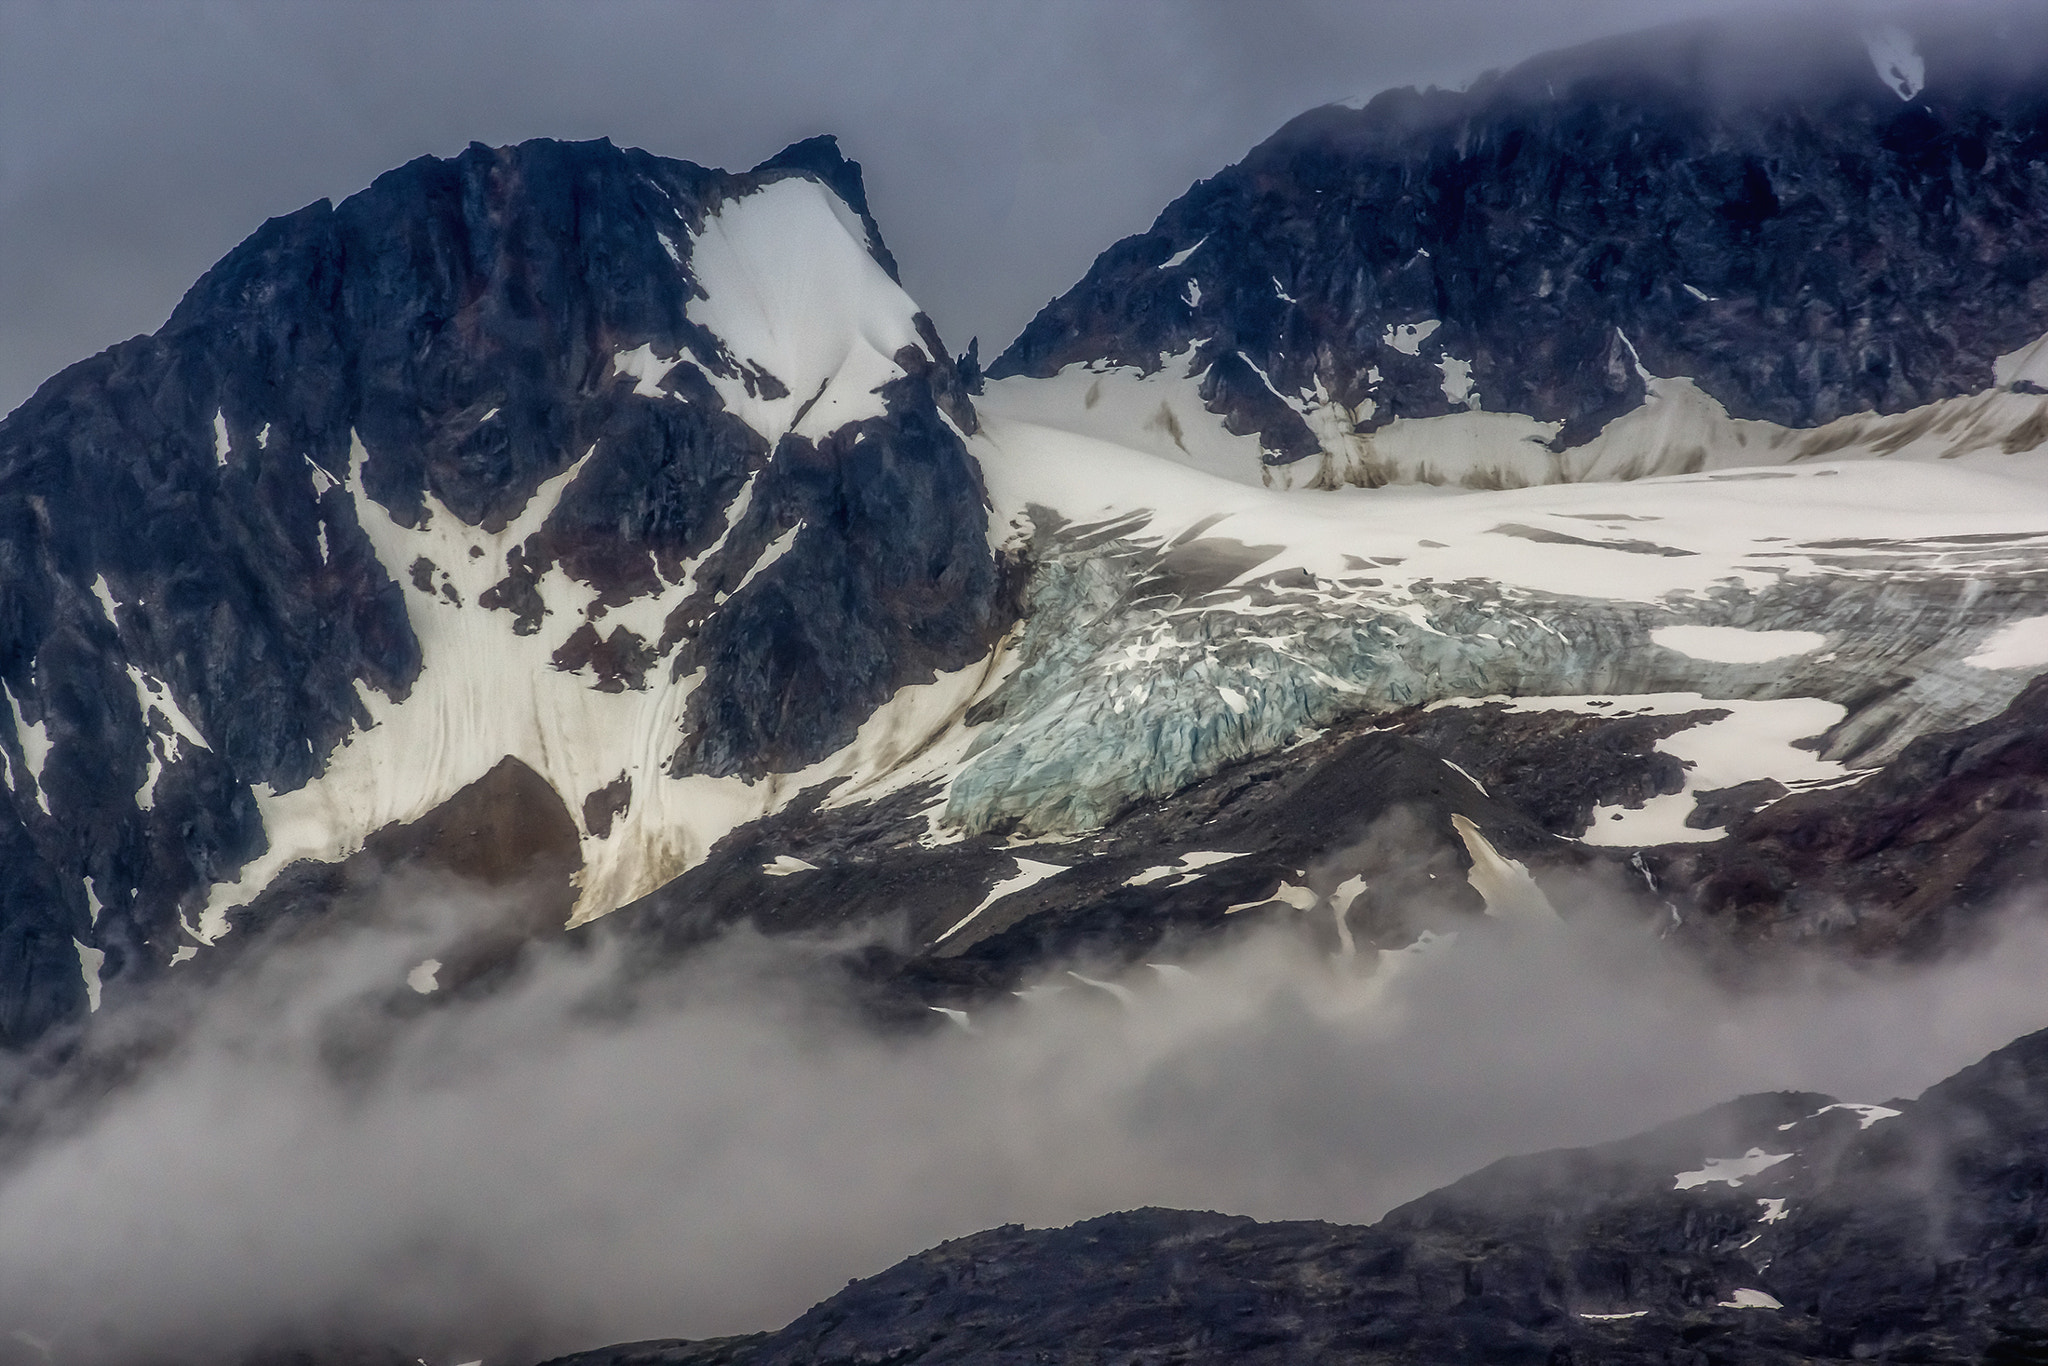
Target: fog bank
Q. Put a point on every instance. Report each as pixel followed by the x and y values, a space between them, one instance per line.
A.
pixel 570 1162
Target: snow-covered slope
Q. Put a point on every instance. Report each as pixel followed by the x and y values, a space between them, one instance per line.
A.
pixel 1679 428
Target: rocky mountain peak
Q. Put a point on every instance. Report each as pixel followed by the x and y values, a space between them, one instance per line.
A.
pixel 1810 218
pixel 615 412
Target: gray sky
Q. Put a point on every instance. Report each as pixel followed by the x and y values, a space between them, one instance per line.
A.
pixel 1004 145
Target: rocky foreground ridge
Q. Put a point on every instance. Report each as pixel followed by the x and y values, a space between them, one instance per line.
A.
pixel 1785 1227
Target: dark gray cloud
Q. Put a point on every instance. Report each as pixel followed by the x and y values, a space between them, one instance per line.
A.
pixel 1005 145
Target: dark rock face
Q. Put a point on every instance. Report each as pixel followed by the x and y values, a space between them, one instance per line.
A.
pixel 1759 209
pixel 1847 1235
pixel 189 605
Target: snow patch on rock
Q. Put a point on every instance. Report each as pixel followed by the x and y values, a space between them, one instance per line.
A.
pixel 1759 739
pixel 1029 873
pixel 794 294
pixel 1896 59
pixel 1407 338
pixel 34 739
pixel 2016 645
pixel 1504 884
pixel 90 961
pixel 1732 1171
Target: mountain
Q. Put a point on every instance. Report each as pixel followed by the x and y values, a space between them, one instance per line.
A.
pixel 1617 485
pixel 1786 1227
pixel 645 477
pixel 1585 267
pixel 569 516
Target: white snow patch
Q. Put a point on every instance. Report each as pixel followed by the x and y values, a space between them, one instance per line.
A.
pixel 1407 338
pixel 1612 1318
pixel 92 903
pixel 647 369
pixel 322 480
pixel 1160 414
pixel 151 693
pixel 90 961
pixel 220 437
pixel 1505 885
pixel 35 747
pixel 1288 893
pixel 1185 869
pixel 1755 741
pixel 770 553
pixel 1029 873
pixel 1866 1115
pixel 1342 900
pixel 1700 294
pixel 1734 645
pixel 958 1017
pixel 495 411
pixel 1752 1299
pixel 1468 778
pixel 1733 525
pixel 108 606
pixel 1457 384
pixel 1281 290
pixel 786 864
pixel 185 954
pixel 1192 292
pixel 1678 429
pixel 1175 260
pixel 421 978
pixel 792 290
pixel 1774 1212
pixel 1732 1170
pixel 2019 644
pixel 166 731
pixel 263 437
pixel 2028 365
pixel 1896 59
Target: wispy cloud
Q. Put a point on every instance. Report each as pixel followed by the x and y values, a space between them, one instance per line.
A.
pixel 587 1156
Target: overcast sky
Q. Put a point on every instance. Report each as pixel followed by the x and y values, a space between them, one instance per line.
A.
pixel 1004 144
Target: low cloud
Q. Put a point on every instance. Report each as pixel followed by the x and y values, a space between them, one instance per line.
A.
pixel 590 1154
